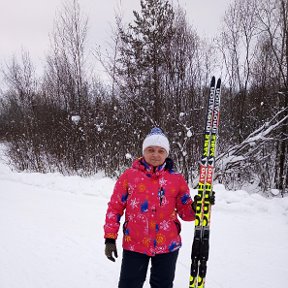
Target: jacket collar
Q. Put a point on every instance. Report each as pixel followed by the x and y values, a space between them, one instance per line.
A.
pixel 142 165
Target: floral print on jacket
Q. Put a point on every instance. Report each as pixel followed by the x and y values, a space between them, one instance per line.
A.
pixel 152 199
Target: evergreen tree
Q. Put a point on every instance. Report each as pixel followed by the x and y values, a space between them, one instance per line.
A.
pixel 143 56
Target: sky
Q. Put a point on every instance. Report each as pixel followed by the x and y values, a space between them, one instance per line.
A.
pixel 26 25
pixel 51 229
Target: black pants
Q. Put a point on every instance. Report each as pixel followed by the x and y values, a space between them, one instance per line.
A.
pixel 134 269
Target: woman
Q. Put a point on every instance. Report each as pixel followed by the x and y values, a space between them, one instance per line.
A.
pixel 152 196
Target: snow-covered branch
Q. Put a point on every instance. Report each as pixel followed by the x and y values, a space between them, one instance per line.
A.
pixel 257 137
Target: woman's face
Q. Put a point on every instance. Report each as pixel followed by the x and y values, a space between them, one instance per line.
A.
pixel 155 155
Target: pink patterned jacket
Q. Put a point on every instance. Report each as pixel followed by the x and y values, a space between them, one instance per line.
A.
pixel 151 200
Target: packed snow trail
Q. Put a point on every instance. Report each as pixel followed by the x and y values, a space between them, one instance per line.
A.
pixel 51 229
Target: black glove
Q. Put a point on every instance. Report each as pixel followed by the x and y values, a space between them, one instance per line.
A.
pixel 193 205
pixel 212 198
pixel 198 198
pixel 110 248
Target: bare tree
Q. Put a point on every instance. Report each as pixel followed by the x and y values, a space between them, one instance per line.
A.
pixel 66 65
pixel 273 16
pixel 254 45
pixel 20 106
pixel 237 44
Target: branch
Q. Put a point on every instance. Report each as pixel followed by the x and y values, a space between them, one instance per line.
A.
pixel 259 135
pixel 117 81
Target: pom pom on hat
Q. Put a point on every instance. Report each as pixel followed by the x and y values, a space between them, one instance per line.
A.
pixel 156 137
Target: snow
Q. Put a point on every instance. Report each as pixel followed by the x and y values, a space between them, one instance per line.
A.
pixel 189 134
pixel 128 156
pixel 51 229
pixel 76 119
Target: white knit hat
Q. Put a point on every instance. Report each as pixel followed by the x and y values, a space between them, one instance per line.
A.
pixel 156 137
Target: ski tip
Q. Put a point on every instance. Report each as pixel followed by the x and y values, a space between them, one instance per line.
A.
pixel 213 81
pixel 218 83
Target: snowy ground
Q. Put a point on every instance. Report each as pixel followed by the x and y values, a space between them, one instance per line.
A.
pixel 51 236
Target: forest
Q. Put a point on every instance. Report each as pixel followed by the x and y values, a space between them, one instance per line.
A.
pixel 71 121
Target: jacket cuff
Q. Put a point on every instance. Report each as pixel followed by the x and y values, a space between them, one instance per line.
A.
pixel 109 240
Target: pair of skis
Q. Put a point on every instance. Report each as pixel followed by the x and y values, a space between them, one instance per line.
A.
pixel 200 246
